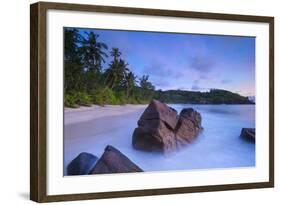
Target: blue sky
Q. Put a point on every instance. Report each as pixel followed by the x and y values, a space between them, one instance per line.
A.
pixel 187 61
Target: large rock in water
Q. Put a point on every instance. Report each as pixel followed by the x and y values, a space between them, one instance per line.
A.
pixel 193 115
pixel 160 128
pixel 157 110
pixel 82 164
pixel 155 131
pixel 113 161
pixel 248 134
pixel 188 127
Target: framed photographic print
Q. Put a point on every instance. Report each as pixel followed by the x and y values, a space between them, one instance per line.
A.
pixel 134 102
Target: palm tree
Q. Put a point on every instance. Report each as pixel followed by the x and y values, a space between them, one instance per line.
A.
pixel 111 74
pixel 145 84
pixel 93 51
pixel 147 87
pixel 72 61
pixel 116 73
pixel 71 39
pixel 115 53
pixel 130 82
pixel 93 54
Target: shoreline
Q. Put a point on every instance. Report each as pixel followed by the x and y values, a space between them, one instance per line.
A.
pixel 85 113
pixel 124 105
pixel 94 106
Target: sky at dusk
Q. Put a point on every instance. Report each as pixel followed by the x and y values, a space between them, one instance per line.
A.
pixel 187 61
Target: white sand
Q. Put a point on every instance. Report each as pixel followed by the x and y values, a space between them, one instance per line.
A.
pixel 75 115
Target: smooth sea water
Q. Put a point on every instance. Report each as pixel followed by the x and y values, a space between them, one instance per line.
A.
pixel 219 145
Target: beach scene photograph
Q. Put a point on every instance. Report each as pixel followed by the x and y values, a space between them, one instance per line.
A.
pixel 143 101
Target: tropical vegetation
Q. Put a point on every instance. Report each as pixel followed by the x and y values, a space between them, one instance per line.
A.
pixel 214 96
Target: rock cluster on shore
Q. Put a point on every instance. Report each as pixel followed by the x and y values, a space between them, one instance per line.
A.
pixel 82 164
pixel 111 161
pixel 160 128
pixel 248 134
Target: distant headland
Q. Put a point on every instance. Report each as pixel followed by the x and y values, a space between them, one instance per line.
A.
pixel 214 96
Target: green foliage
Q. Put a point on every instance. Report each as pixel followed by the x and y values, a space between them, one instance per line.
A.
pixel 84 99
pixel 86 82
pixel 109 96
pixel 106 96
pixel 117 70
pixel 73 71
pixel 92 52
pixel 121 97
pixel 145 84
pixel 70 101
pixel 75 99
pixel 215 96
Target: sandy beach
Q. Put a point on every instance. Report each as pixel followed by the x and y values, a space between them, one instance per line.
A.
pixel 82 114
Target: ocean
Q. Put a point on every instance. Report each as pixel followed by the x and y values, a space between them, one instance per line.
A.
pixel 218 146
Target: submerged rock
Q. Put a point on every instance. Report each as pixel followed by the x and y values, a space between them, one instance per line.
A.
pixel 82 164
pixel 248 134
pixel 160 128
pixel 113 161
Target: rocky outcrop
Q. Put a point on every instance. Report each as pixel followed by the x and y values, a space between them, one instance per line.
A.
pixel 157 110
pixel 248 134
pixel 160 128
pixel 193 115
pixel 82 164
pixel 188 127
pixel 113 161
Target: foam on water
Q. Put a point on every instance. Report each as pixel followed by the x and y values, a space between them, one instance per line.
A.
pixel 218 146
